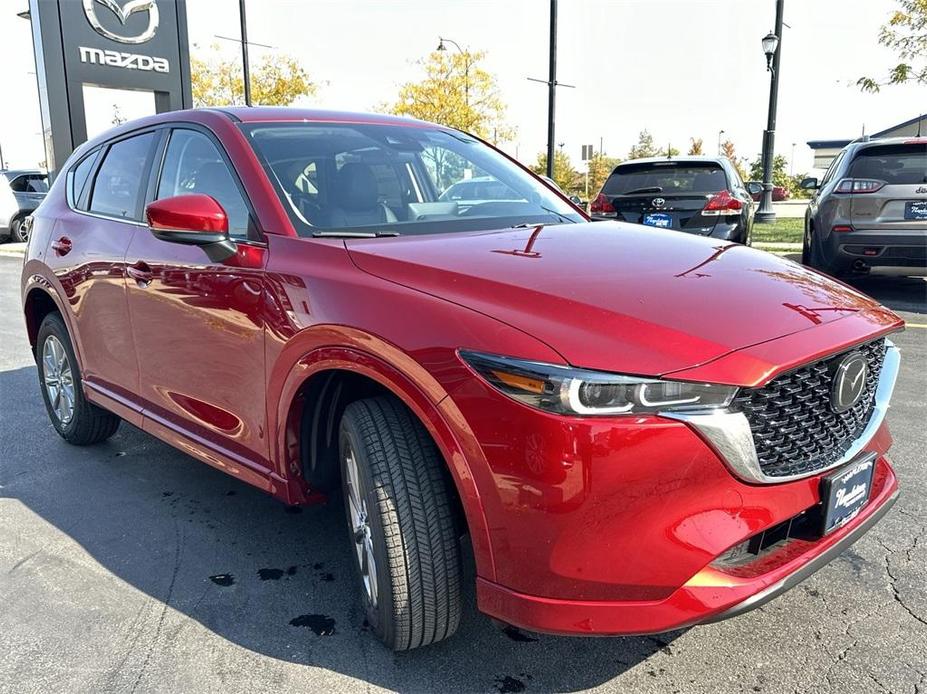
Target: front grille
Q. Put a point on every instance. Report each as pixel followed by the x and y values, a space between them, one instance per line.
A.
pixel 795 431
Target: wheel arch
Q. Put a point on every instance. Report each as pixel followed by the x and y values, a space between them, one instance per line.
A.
pixel 368 365
pixel 39 302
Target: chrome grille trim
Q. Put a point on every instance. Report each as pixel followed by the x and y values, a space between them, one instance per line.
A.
pixel 730 434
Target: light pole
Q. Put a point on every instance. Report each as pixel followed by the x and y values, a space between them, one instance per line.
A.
pixel 770 44
pixel 720 133
pixel 552 85
pixel 466 56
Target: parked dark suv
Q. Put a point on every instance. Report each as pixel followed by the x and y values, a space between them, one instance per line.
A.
pixel 870 209
pixel 699 195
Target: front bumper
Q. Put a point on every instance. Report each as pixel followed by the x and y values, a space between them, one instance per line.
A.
pixel 712 594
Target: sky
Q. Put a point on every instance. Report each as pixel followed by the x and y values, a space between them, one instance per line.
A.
pixel 679 68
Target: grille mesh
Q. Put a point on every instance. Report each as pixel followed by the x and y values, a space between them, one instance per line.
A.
pixel 795 431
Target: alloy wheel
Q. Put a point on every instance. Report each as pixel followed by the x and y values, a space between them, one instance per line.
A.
pixel 359 525
pixel 58 379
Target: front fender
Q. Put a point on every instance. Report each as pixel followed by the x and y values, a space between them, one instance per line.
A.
pixel 335 347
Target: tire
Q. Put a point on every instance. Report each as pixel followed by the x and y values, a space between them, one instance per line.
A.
pixel 816 258
pixel 806 246
pixel 393 474
pixel 19 231
pixel 85 423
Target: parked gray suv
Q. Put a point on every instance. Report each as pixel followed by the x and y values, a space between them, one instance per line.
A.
pixel 870 209
pixel 21 192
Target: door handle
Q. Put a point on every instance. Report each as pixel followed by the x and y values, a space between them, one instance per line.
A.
pixel 62 246
pixel 140 272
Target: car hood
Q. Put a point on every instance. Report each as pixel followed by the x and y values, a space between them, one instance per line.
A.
pixel 621 297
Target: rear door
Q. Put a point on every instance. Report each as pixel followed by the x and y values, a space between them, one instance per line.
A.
pixel 900 202
pixel 30 190
pixel 668 194
pixel 87 255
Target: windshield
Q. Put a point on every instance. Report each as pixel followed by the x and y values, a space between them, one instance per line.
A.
pixel 666 177
pixel 336 178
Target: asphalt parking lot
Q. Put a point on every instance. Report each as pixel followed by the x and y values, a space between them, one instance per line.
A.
pixel 131 567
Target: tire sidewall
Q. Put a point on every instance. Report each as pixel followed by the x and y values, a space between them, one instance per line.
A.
pixel 54 325
pixel 379 617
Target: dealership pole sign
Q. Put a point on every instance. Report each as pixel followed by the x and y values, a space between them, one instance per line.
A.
pixel 138 45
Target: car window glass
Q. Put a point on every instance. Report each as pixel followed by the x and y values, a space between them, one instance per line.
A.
pixel 669 177
pixel 30 183
pixel 894 164
pixel 829 174
pixel 193 164
pixel 118 183
pixel 77 179
pixel 398 178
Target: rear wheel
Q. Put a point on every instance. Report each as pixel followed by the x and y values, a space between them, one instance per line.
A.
pixel 401 524
pixel 77 421
pixel 19 230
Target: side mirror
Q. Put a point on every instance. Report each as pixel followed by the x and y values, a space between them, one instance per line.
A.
pixel 809 184
pixel 576 200
pixel 754 187
pixel 194 220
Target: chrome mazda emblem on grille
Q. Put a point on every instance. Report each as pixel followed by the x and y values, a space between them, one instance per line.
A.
pixel 658 202
pixel 849 382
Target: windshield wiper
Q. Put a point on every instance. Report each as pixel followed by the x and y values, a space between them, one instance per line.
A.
pixel 334 233
pixel 648 189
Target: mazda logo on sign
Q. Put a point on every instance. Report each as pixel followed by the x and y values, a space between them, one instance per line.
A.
pixel 658 202
pixel 849 382
pixel 123 13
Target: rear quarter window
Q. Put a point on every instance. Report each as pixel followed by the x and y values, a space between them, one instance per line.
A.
pixel 904 164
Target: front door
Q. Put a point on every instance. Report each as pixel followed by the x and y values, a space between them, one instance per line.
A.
pixel 197 324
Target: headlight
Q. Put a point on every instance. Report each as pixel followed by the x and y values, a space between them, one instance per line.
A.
pixel 566 390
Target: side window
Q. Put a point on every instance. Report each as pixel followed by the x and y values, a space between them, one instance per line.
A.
pixel 118 184
pixel 192 164
pixel 77 180
pixel 30 183
pixel 834 165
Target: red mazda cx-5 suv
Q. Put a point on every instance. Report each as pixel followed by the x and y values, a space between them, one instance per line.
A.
pixel 635 429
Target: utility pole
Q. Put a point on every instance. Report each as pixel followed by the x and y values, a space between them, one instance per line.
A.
pixel 552 89
pixel 244 51
pixel 772 46
pixel 552 85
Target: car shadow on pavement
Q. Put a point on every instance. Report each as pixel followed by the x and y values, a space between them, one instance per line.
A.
pixel 190 543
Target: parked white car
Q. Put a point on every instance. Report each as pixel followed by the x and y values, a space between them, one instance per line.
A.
pixel 21 192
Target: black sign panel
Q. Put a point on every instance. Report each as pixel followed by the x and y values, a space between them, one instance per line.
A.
pixel 121 44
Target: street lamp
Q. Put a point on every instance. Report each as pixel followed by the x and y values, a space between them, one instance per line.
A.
pixel 466 54
pixel 720 133
pixel 770 44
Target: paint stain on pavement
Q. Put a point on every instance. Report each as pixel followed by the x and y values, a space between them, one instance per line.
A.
pixel 270 574
pixel 509 685
pixel 224 580
pixel 319 623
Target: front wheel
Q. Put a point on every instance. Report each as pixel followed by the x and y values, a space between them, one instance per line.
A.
pixel 401 524
pixel 75 419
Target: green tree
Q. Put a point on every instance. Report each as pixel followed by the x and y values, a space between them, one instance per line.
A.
pixel 275 81
pixel 668 151
pixel 457 92
pixel 727 150
pixel 600 167
pixel 906 34
pixel 780 175
pixel 644 147
pixel 565 174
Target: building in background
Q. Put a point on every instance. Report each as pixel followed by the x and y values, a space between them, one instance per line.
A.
pixel 826 150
